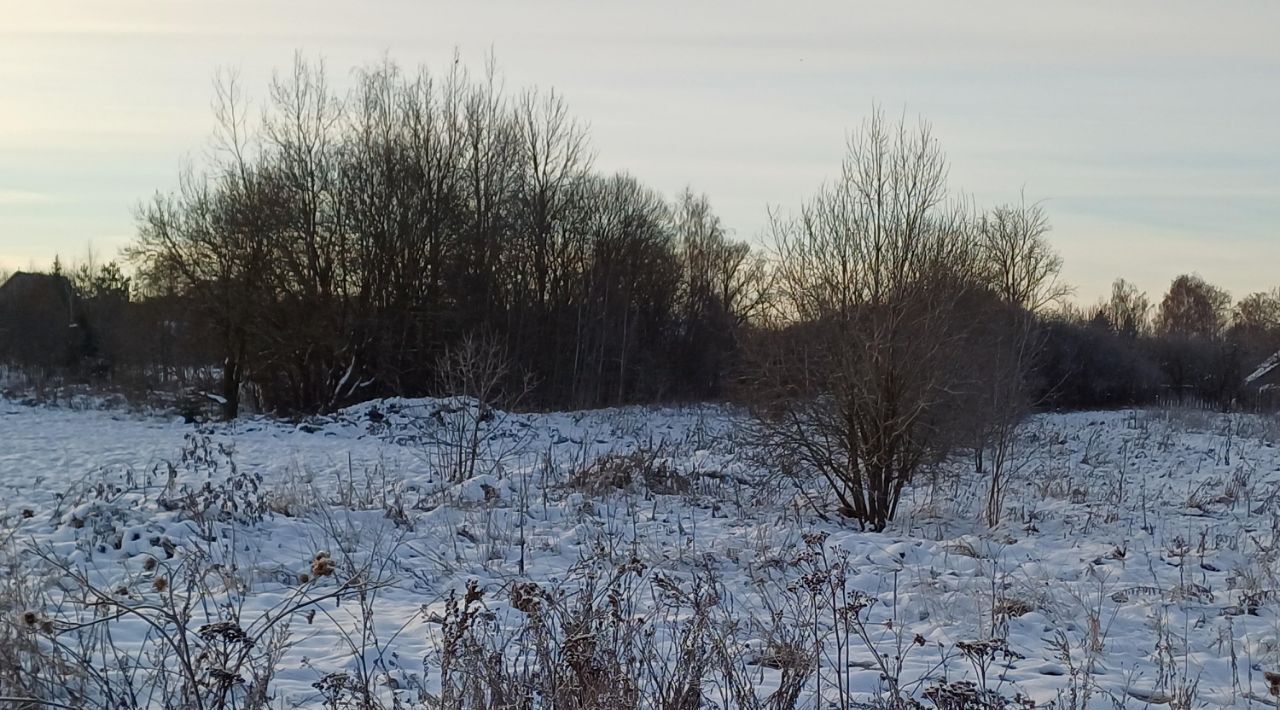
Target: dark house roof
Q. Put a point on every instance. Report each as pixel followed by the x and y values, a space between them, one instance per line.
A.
pixel 1266 374
pixel 47 292
pixel 40 322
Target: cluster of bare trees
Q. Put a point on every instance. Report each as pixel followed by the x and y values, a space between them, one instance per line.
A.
pixel 1193 346
pixel 337 247
pixel 905 323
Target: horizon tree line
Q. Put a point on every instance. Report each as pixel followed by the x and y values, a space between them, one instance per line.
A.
pixel 340 248
pixel 336 248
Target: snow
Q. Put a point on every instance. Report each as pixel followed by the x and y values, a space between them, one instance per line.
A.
pixel 1139 545
pixel 1267 366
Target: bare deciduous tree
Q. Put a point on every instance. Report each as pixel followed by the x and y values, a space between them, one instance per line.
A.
pixel 212 239
pixel 207 242
pixel 1002 355
pixel 724 285
pixel 1128 310
pixel 1017 259
pixel 1191 321
pixel 1258 312
pixel 870 276
pixel 555 157
pixel 1193 308
pixel 466 431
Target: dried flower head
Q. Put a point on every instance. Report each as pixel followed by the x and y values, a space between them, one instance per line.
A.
pixel 474 592
pixel 322 567
pixel 527 597
pixel 815 539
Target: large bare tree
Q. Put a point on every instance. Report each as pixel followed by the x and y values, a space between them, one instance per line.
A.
pixel 724 286
pixel 211 240
pixel 1191 320
pixel 1018 261
pixel 1193 308
pixel 870 278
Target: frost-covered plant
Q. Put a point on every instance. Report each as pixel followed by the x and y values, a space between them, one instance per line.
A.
pixel 463 435
pixel 586 642
pixel 172 632
pixel 206 486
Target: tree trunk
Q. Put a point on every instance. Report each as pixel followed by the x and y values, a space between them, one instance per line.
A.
pixel 230 388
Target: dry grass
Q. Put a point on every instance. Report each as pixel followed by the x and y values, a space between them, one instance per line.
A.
pixel 644 469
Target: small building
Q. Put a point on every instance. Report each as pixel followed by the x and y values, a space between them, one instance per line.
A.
pixel 1263 384
pixel 40 322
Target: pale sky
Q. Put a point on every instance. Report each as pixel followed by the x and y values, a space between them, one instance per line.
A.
pixel 1150 129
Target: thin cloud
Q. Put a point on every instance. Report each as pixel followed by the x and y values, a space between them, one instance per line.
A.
pixel 13 198
pixel 1142 115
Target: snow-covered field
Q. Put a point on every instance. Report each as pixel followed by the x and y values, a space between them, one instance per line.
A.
pixel 1136 563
